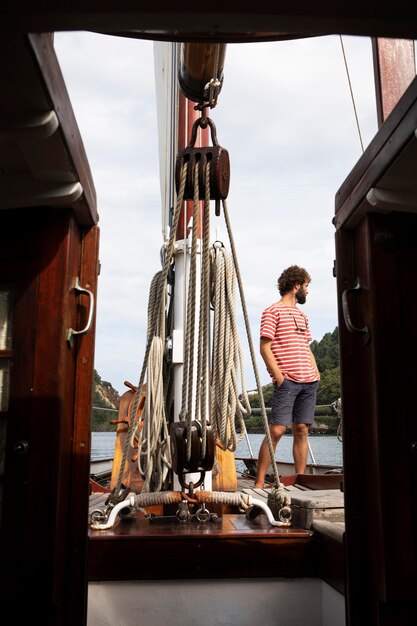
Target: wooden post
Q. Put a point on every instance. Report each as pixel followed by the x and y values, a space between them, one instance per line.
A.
pixel 394 69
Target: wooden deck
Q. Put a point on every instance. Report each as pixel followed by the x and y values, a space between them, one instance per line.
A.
pixel 233 546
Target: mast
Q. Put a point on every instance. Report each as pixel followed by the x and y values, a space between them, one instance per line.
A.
pixel 187 115
pixel 198 70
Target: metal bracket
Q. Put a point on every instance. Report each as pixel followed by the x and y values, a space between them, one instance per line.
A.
pixel 184 515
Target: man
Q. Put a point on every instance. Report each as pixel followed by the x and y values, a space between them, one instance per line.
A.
pixel 285 338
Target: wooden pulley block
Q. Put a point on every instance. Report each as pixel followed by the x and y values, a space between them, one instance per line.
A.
pixel 197 463
pixel 219 169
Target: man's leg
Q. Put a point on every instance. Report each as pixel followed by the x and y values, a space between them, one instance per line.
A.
pixel 303 416
pixel 300 447
pixel 264 458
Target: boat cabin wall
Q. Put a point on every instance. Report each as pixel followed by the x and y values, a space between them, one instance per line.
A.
pixel 45 412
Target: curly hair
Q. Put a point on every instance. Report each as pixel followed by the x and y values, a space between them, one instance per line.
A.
pixel 293 275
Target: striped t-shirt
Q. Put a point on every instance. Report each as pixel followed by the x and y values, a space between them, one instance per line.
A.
pixel 290 333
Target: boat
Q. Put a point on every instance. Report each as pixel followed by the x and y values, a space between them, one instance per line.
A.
pixel 361 569
pixel 285 469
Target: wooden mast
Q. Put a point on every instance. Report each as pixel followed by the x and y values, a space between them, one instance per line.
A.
pixel 200 65
pixel 187 115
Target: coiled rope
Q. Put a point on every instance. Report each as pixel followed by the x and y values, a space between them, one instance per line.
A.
pixel 227 356
pixel 152 448
pixel 236 498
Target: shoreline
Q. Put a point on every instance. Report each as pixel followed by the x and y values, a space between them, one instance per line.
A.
pixel 313 431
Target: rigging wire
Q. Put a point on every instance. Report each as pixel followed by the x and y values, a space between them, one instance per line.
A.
pixel 351 92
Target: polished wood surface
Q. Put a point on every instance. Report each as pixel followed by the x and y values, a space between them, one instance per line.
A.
pixel 44 545
pixel 232 546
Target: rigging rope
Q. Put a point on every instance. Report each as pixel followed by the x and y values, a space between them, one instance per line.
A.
pixel 351 92
pixel 278 491
pixel 337 406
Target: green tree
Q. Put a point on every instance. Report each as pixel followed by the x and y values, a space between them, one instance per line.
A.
pixel 329 388
pixel 326 351
pixel 267 392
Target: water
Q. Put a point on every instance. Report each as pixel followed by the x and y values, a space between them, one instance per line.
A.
pixel 326 449
pixel 102 445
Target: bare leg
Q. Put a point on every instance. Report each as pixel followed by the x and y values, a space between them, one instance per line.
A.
pixel 300 447
pixel 264 458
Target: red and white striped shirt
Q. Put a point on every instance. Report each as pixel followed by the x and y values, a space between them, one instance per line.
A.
pixel 290 333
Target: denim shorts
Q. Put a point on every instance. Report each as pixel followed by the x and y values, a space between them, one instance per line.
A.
pixel 293 402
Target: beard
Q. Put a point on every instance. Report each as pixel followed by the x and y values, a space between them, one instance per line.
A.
pixel 301 296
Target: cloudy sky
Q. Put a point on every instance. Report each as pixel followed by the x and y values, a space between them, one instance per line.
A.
pixel 286 117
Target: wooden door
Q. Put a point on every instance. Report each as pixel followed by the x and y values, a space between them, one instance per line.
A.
pixel 45 445
pixel 376 278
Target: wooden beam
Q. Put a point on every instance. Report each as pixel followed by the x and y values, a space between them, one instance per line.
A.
pixel 217 21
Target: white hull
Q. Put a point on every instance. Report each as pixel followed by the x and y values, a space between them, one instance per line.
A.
pixel 236 602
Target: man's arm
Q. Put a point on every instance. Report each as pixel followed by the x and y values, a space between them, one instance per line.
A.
pixel 314 364
pixel 270 362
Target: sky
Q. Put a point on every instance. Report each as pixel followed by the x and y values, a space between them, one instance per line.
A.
pixel 286 117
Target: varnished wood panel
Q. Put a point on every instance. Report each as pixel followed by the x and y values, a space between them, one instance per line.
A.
pixel 75 592
pixel 378 379
pixel 232 547
pixel 44 533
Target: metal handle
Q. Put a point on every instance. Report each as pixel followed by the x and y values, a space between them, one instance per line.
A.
pixel 350 326
pixel 71 332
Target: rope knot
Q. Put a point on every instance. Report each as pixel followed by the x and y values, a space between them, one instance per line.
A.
pixel 282 498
